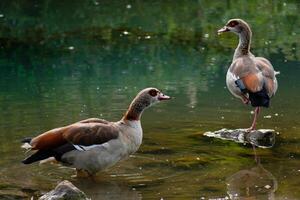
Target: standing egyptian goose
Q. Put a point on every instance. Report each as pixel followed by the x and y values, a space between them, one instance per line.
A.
pixel 250 78
pixel 95 144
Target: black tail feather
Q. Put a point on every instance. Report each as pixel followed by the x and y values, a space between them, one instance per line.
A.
pixel 39 155
pixel 26 140
pixel 44 154
pixel 260 98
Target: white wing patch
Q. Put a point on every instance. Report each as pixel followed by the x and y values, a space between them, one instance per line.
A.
pixel 26 146
pixel 86 148
pixel 232 76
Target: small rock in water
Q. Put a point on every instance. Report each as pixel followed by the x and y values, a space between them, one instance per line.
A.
pixel 64 190
pixel 1 15
pixel 128 6
pixel 71 48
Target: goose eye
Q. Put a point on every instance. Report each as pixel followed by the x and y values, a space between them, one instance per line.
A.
pixel 153 92
pixel 233 23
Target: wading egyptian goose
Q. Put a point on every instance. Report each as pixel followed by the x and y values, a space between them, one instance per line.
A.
pixel 95 144
pixel 250 78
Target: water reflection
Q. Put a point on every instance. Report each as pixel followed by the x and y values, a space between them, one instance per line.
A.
pixel 252 183
pixel 106 189
pixel 62 62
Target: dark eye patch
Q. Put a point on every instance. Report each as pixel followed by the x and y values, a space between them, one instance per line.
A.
pixel 153 92
pixel 232 23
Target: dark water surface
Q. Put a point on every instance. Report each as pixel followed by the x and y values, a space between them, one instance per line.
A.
pixel 63 61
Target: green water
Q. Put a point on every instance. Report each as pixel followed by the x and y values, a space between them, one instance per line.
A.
pixel 63 61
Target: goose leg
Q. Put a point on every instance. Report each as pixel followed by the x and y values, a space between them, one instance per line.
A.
pixel 253 126
pixel 245 99
pixel 80 173
pixel 256 158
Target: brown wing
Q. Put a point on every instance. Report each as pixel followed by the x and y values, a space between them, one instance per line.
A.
pixel 268 74
pixel 265 67
pixel 245 68
pixel 78 133
pixel 91 133
pixel 49 139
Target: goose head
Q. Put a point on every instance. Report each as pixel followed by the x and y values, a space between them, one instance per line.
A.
pixel 144 99
pixel 150 96
pixel 236 26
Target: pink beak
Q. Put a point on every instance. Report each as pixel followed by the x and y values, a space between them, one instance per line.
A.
pixel 162 97
pixel 222 30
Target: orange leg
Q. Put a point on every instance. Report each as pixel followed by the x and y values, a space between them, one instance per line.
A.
pixel 253 126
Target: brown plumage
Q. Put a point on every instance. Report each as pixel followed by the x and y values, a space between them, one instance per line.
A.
pixel 249 78
pixel 86 132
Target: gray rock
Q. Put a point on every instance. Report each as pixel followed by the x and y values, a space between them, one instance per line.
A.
pixel 65 190
pixel 264 138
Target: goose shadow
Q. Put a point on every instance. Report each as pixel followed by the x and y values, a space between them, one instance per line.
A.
pixel 254 183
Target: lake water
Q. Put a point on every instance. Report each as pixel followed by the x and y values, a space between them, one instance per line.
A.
pixel 64 61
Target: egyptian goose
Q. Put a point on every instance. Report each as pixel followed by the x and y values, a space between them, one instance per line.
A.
pixel 250 78
pixel 95 144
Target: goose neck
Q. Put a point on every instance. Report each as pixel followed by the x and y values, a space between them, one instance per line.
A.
pixel 136 109
pixel 243 47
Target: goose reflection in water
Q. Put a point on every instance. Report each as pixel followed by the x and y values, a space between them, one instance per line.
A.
pixel 106 189
pixel 252 184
